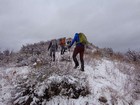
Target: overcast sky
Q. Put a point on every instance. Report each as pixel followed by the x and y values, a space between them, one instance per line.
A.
pixel 107 23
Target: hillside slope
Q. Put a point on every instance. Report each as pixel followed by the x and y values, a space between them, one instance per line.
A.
pixel 29 77
pixel 106 84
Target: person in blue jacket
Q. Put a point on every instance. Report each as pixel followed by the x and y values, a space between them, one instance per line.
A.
pixel 79 49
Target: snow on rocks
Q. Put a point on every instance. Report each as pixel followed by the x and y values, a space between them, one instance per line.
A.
pixel 39 92
pixel 104 84
pixel 8 75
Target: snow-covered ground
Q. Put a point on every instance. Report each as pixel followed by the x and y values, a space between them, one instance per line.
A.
pixel 107 85
pixel 7 78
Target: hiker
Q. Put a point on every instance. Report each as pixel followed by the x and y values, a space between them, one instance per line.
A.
pixel 79 49
pixel 69 42
pixel 62 44
pixel 53 48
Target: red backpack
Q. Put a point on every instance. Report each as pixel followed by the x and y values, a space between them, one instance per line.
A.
pixel 62 41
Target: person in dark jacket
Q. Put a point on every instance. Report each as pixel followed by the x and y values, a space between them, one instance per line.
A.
pixel 79 49
pixel 53 48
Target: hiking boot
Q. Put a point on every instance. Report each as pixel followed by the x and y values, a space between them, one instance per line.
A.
pixel 82 69
pixel 75 67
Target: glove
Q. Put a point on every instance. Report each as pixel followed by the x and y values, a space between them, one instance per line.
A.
pixel 69 47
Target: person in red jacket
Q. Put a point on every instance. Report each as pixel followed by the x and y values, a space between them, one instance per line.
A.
pixel 63 44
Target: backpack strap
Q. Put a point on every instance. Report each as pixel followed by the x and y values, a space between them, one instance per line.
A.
pixel 78 42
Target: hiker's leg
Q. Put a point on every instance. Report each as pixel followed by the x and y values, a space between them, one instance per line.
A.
pixel 50 53
pixel 81 57
pixel 62 50
pixel 75 52
pixel 53 55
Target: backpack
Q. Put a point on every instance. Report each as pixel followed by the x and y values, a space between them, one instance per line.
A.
pixel 62 41
pixel 54 45
pixel 83 39
pixel 69 41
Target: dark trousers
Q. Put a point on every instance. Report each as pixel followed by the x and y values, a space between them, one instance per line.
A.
pixel 62 50
pixel 78 50
pixel 52 54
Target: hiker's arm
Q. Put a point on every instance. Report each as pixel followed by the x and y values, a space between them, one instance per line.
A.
pixel 74 39
pixel 49 45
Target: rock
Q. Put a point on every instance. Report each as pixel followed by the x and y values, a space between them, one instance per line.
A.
pixel 102 99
